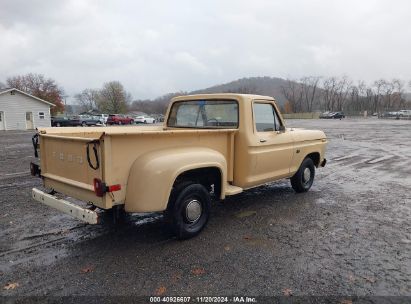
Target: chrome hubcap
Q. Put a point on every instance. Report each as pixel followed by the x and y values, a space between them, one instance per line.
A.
pixel 193 210
pixel 306 175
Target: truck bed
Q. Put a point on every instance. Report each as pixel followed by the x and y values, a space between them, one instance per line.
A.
pixel 65 167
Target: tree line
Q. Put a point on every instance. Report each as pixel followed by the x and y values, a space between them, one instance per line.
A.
pixel 314 93
pixel 307 94
pixel 111 98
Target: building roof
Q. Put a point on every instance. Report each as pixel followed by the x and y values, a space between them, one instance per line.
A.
pixel 91 112
pixel 6 90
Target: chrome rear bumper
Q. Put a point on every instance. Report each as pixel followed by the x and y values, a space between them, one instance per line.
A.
pixel 66 207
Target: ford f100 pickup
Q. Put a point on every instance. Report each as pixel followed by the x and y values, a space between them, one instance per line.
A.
pixel 209 147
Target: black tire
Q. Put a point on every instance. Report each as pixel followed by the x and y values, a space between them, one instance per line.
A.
pixel 300 181
pixel 84 124
pixel 178 215
pixel 120 123
pixel 58 124
pixel 131 122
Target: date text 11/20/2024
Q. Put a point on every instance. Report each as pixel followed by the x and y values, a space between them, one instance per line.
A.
pixel 234 299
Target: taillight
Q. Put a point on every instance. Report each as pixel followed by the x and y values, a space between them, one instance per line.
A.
pixel 100 188
pixel 114 188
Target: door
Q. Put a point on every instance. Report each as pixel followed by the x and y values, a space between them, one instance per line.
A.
pixel 2 123
pixel 29 121
pixel 272 145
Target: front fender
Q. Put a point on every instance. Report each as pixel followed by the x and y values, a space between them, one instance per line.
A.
pixel 152 175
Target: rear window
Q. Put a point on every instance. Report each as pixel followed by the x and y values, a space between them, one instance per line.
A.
pixel 206 114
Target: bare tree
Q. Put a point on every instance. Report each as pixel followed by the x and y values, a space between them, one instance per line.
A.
pixel 87 99
pixel 355 98
pixel 294 94
pixel 113 98
pixel 329 91
pixel 309 89
pixel 398 94
pixel 377 98
pixel 343 88
pixel 387 90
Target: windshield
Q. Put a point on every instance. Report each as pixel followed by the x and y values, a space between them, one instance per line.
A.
pixel 204 114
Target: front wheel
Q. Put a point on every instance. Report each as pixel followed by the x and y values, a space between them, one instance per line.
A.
pixel 189 210
pixel 304 177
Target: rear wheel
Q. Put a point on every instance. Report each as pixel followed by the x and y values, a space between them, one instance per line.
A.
pixel 189 209
pixel 58 124
pixel 83 124
pixel 304 177
pixel 131 122
pixel 119 123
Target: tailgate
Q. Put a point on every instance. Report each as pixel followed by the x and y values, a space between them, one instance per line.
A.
pixel 70 162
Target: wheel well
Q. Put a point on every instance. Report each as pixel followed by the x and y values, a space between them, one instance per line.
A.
pixel 208 177
pixel 315 156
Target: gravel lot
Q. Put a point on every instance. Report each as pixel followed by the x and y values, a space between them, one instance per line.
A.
pixel 349 235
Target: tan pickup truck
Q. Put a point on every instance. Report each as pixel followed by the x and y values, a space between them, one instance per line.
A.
pixel 210 146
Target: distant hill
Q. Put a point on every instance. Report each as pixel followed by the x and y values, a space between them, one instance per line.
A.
pixel 269 86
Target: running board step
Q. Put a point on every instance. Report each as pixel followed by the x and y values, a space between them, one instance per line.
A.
pixel 231 190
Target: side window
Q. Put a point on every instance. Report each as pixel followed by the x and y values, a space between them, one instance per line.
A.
pixel 41 115
pixel 266 119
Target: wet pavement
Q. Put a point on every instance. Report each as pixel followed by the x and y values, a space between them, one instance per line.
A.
pixel 349 235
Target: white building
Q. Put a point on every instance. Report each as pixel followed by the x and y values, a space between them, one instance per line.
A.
pixel 22 111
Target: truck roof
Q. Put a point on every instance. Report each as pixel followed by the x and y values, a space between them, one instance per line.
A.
pixel 244 97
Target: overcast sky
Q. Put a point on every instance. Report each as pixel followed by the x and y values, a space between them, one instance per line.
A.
pixel 155 47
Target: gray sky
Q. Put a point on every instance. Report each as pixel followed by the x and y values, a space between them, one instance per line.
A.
pixel 155 47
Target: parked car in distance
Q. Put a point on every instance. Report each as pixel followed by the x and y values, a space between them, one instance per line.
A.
pixel 64 121
pixel 119 119
pixel 145 119
pixel 402 113
pixel 326 115
pixel 102 118
pixel 88 120
pixel 330 115
pixel 337 115
pixel 158 117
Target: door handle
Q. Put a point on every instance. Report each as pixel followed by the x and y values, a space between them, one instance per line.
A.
pixel 263 140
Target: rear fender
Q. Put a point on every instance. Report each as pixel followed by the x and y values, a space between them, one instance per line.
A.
pixel 152 175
